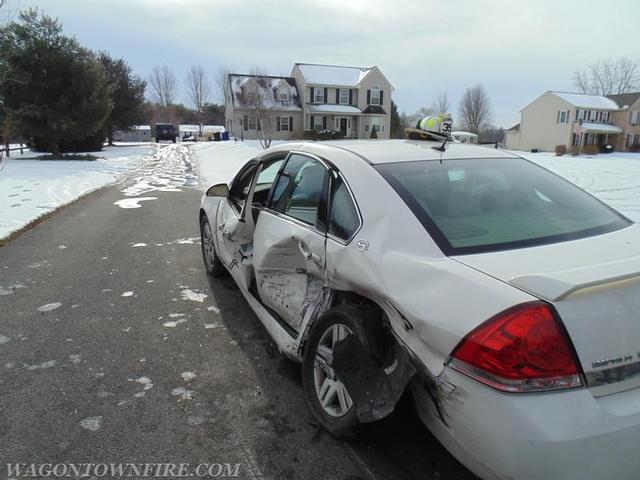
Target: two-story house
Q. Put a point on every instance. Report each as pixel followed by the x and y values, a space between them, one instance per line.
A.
pixel 352 100
pixel 628 119
pixel 259 105
pixel 553 118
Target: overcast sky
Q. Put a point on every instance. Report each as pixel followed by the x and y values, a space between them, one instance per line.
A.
pixel 518 49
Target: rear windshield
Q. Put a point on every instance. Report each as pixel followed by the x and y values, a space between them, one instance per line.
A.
pixel 473 206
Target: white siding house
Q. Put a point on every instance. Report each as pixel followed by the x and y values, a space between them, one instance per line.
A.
pixel 256 104
pixel 552 119
pixel 352 100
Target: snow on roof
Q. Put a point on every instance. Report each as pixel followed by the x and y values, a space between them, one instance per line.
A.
pixel 582 100
pixel 205 128
pixel 332 74
pixel 269 87
pixel 328 108
pixel 600 127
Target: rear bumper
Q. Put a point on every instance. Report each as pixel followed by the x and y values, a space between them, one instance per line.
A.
pixel 569 435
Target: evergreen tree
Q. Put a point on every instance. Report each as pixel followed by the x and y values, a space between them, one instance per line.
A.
pixel 374 134
pixel 56 94
pixel 127 95
pixel 397 129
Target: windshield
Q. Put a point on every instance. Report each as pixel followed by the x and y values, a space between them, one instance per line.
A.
pixel 473 206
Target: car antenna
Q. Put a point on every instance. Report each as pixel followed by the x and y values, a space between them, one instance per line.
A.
pixel 442 148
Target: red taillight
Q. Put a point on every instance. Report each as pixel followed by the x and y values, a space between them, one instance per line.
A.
pixel 522 349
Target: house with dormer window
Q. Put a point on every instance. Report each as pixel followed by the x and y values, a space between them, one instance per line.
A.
pixel 352 100
pixel 256 103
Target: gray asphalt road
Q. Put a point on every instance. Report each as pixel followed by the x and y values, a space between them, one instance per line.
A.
pixel 116 347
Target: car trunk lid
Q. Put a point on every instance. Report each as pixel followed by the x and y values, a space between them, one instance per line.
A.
pixel 594 284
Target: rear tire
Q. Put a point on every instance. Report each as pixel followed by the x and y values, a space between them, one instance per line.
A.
pixel 329 408
pixel 212 263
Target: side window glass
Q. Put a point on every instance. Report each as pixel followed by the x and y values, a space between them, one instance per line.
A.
pixel 241 186
pixel 343 214
pixel 298 190
pixel 265 180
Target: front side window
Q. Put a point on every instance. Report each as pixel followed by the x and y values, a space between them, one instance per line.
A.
pixel 298 190
pixel 483 205
pixel 343 214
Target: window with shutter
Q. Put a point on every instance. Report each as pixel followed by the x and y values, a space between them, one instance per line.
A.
pixel 318 95
pixel 374 96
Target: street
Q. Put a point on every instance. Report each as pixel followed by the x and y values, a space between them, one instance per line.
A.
pixel 116 347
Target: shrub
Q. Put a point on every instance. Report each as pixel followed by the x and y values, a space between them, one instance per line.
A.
pixel 310 135
pixel 561 150
pixel 322 135
pixel 591 149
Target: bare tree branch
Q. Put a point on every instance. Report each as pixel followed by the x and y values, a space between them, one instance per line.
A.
pixel 441 103
pixel 475 109
pixel 163 85
pixel 221 82
pixel 199 90
pixel 608 77
pixel 255 100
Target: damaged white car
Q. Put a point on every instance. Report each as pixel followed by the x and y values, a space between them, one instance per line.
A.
pixel 504 298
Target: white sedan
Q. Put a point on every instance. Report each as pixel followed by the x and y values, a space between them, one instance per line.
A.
pixel 504 298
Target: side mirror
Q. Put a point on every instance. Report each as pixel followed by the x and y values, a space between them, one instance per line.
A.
pixel 218 190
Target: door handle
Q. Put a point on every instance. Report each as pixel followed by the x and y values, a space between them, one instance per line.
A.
pixel 308 254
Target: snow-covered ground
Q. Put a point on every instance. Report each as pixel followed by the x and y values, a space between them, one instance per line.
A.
pixel 30 188
pixel 218 162
pixel 614 178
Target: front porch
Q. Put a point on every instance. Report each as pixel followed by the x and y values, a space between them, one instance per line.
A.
pixel 598 134
pixel 340 118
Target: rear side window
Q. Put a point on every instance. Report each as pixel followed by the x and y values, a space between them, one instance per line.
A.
pixel 343 215
pixel 298 190
pixel 481 205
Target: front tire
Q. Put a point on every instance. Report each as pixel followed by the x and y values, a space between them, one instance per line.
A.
pixel 212 263
pixel 327 397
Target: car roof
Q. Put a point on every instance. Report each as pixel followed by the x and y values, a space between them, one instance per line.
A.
pixel 393 151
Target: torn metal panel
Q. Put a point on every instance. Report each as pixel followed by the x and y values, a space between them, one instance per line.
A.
pixel 375 380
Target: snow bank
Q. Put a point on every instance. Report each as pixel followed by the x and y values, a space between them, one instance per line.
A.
pixel 218 162
pixel 614 178
pixel 32 188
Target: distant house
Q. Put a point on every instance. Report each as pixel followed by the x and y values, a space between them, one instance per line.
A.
pixel 512 137
pixel 137 133
pixel 571 119
pixel 352 100
pixel 252 101
pixel 628 119
pixel 464 137
pixel 552 119
pixel 194 130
